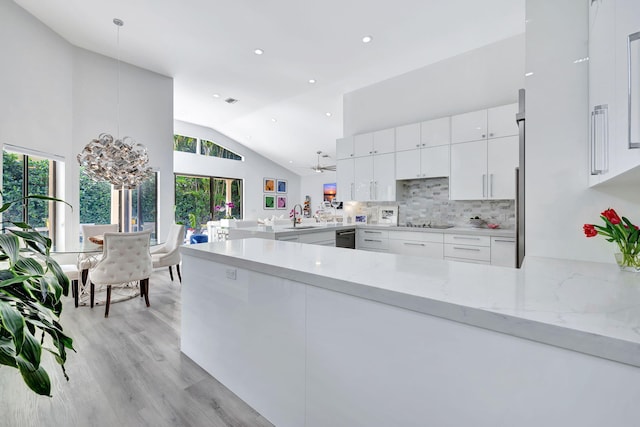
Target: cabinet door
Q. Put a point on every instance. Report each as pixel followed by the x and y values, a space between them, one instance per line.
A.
pixel 344 148
pixel 363 145
pixel 384 141
pixel 408 164
pixel 503 251
pixel 468 171
pixel 408 137
pixel 435 161
pixel 436 132
pixel 384 177
pixel 501 121
pixel 502 160
pixel 345 180
pixel 469 126
pixel 417 248
pixel 363 178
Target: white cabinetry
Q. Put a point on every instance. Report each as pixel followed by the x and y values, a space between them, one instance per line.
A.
pixel 380 142
pixel 416 243
pixel 614 88
pixel 374 177
pixel 470 126
pixel 345 179
pixel 324 238
pixel 372 240
pixel 484 169
pixel 475 249
pixel 344 148
pixel 423 149
pixel 503 251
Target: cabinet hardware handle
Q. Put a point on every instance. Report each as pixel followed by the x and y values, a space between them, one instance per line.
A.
pixel 373 240
pixel 372 232
pixel 594 171
pixel 413 244
pixel 466 249
pixel 348 233
pixel 424 145
pixel 417 145
pixel 375 151
pixel 491 185
pixel 504 241
pixel 351 155
pixel 466 238
pixel 484 135
pixel 484 177
pixel 490 134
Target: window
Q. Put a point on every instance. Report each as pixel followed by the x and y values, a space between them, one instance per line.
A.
pixel 203 147
pixel 95 201
pixel 23 175
pixel 200 195
pixel 144 206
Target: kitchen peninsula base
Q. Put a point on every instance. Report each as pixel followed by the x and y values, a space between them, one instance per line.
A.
pixel 315 336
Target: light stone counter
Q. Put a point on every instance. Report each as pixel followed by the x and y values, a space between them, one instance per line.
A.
pixel 586 307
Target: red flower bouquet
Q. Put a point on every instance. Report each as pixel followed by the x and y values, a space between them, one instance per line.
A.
pixel 621 231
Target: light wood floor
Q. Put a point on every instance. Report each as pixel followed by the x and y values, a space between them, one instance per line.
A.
pixel 128 371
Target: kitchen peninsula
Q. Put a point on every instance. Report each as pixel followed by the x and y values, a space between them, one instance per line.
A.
pixel 316 336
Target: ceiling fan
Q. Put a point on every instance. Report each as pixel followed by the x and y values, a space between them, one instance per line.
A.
pixel 319 168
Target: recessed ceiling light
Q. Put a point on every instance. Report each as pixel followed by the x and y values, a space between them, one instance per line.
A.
pixel 312 81
pixel 258 51
pixel 216 95
pixel 290 161
pixel 367 39
pixel 274 120
pixel 328 114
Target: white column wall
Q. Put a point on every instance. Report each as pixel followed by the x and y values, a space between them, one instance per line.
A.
pixel 558 199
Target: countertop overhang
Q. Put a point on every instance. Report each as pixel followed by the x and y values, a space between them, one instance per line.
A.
pixel 588 307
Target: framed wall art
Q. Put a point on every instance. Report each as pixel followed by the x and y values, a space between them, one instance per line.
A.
pixel 281 202
pixel 281 186
pixel 269 201
pixel 269 185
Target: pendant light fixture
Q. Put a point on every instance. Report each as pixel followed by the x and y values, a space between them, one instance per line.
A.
pixel 121 162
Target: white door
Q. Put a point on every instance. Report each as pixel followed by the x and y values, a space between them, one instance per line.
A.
pixel 384 141
pixel 344 180
pixel 384 177
pixel 363 145
pixel 501 164
pixel 469 126
pixel 435 161
pixel 468 171
pixel 408 164
pixel 408 137
pixel 363 178
pixel 344 148
pixel 436 132
pixel 501 121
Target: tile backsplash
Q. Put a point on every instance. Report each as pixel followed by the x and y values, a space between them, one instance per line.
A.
pixel 427 200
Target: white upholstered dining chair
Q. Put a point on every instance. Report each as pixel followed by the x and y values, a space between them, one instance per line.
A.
pixel 85 262
pixel 168 254
pixel 125 259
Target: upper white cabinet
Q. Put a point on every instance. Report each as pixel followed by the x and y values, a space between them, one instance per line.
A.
pixel 495 122
pixel 380 142
pixel 344 148
pixel 435 132
pixel 484 169
pixel 374 178
pixel 408 137
pixel 469 126
pixel 614 88
pixel 345 184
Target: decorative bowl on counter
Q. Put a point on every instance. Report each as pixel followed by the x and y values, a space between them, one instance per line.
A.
pixel 477 222
pixel 493 226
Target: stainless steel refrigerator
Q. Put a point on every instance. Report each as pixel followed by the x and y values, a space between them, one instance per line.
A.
pixel 520 179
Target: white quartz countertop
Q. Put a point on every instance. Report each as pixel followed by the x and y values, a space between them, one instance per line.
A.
pixel 590 307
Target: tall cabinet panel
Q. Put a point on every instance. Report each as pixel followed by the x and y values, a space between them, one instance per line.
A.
pixel 363 178
pixel 468 171
pixel 502 160
pixel 344 180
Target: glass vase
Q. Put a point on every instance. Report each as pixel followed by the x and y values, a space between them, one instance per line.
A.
pixel 628 262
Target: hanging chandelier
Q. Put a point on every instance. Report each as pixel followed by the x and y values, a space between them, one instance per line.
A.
pixel 122 162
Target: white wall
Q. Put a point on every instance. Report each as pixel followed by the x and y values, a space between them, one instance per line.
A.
pixel 558 200
pixel 252 170
pixel 57 97
pixel 481 78
pixel 313 186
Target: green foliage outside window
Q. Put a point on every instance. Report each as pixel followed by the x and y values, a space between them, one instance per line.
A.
pixel 200 195
pixel 95 201
pixel 184 143
pixel 12 182
pixel 210 148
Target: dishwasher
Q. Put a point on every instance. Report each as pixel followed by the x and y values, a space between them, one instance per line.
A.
pixel 346 238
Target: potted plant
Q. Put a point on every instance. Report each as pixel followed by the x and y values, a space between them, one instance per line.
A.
pixel 31 286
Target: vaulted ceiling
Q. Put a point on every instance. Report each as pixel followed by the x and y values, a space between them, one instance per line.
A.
pixel 208 47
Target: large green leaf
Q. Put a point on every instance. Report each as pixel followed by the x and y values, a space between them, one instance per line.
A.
pixel 37 380
pixel 29 265
pixel 31 350
pixel 7 352
pixel 13 322
pixel 62 278
pixel 10 245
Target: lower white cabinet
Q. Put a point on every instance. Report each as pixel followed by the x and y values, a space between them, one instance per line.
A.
pixel 503 251
pixel 427 245
pixel 324 238
pixel 372 240
pixel 459 247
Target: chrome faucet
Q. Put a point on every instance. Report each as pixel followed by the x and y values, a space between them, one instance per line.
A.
pixel 294 213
